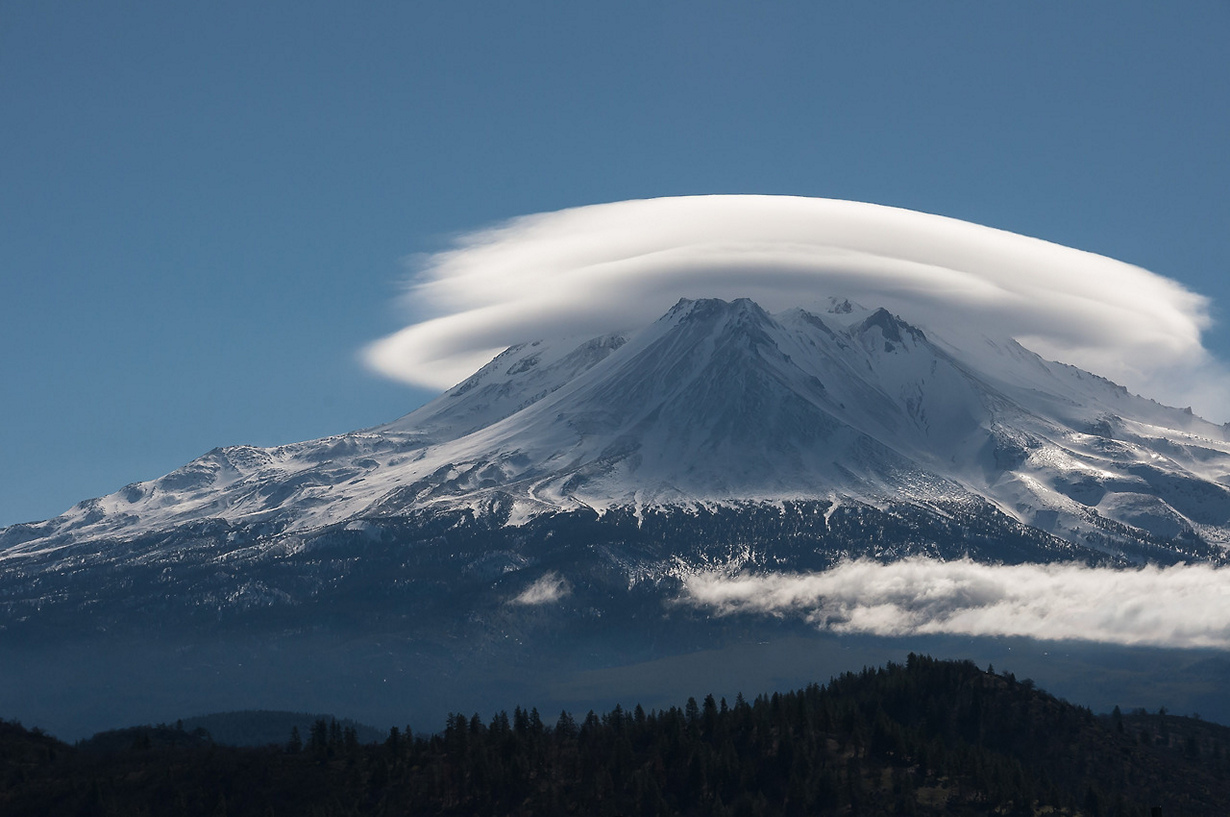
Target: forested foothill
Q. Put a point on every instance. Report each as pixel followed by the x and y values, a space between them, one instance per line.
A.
pixel 925 737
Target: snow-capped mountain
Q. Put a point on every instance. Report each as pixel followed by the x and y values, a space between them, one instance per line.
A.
pixel 562 496
pixel 720 403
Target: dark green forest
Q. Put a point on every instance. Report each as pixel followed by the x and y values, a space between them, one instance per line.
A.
pixel 925 737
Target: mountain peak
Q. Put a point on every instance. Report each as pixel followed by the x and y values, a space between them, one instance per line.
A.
pixel 891 327
pixel 714 309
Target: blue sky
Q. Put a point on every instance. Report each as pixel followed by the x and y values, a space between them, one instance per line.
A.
pixel 205 209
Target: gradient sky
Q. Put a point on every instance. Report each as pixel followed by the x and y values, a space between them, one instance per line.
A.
pixel 205 209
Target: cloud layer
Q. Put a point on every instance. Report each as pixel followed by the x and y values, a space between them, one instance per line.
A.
pixel 610 267
pixel 1180 606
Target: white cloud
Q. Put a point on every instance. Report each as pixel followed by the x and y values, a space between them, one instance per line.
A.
pixel 618 266
pixel 1180 606
pixel 550 587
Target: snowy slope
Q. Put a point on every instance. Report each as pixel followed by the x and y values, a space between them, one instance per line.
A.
pixel 721 403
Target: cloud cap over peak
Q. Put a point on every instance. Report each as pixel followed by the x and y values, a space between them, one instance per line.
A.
pixel 610 267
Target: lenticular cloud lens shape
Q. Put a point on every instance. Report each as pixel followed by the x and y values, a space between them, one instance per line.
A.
pixel 619 266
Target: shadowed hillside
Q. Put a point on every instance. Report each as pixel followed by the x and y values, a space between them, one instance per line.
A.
pixel 929 737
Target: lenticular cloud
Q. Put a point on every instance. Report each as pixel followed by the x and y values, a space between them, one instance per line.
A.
pixel 1179 606
pixel 612 267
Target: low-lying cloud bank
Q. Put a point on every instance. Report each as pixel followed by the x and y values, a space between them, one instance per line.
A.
pixel 1180 606
pixel 610 267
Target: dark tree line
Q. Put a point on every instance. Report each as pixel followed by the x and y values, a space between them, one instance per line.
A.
pixel 926 737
